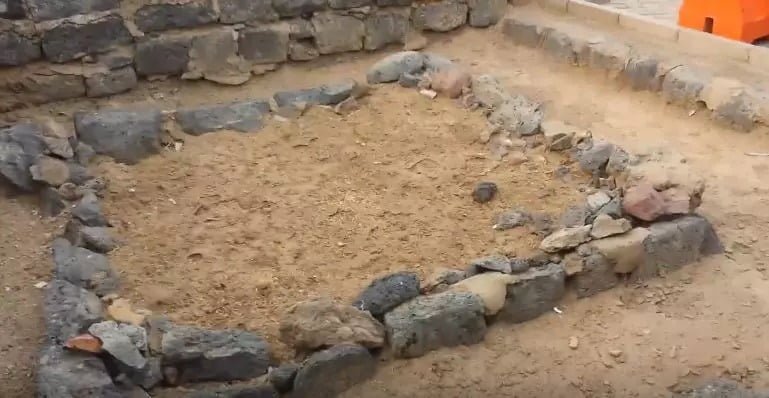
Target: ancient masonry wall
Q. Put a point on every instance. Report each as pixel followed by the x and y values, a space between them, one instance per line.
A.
pixel 53 50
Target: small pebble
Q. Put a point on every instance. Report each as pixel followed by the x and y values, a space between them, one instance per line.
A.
pixel 484 192
pixel 573 342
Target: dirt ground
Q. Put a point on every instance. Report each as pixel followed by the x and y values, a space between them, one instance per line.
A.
pixel 705 321
pixel 235 228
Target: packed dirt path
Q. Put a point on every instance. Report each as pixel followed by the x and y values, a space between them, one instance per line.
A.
pixel 705 321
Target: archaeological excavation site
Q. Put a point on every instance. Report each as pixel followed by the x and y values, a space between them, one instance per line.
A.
pixel 380 198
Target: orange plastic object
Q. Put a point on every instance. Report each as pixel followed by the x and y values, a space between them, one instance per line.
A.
pixel 744 20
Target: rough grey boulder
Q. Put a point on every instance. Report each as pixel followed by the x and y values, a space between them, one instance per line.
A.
pixel 214 57
pixel 561 47
pixel 641 73
pixel 386 27
pixel 245 117
pixel 84 268
pixel 518 115
pixel 164 55
pixel 263 45
pixel 17 49
pixel 537 292
pixel 330 372
pixel 123 342
pixel 98 239
pixel 69 310
pixel 127 136
pixel 20 146
pixel 511 219
pixel 41 10
pixel 683 85
pixel 236 11
pixel 111 82
pixel 388 292
pixel 390 68
pixel 495 262
pixel 336 33
pixel 427 323
pixel 484 191
pixel 156 17
pixel 214 355
pixel 328 94
pixel 485 13
pixel 574 216
pixel 282 377
pixel 488 91
pixel 441 16
pixel 64 374
pixel 295 8
pixel 597 275
pixel 671 244
pixel 71 40
pixel 317 323
pixel 88 211
pixel 594 159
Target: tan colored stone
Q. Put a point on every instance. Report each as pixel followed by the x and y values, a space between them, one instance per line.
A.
pixel 624 251
pixel 565 238
pixel 52 171
pixel 573 263
pixel 450 81
pixel 605 226
pixel 120 310
pixel 319 323
pixel 491 287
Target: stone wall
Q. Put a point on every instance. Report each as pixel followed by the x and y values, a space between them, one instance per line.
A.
pixel 53 50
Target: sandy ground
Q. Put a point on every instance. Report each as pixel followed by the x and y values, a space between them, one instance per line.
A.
pixel 235 228
pixel 705 321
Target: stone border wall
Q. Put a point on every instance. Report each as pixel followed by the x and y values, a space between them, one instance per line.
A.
pixel 733 103
pixel 53 50
pixel 636 223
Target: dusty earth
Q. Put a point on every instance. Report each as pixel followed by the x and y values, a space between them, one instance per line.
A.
pixel 281 202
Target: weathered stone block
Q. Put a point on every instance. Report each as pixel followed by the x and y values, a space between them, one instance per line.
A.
pixel 521 32
pixel 112 82
pixel 559 46
pixel 214 56
pixel 69 310
pixel 609 56
pixel 597 275
pixel 390 68
pixel 338 33
pixel 214 355
pixel 442 16
pixel 346 4
pixel 245 117
pixel 20 146
pixel 641 73
pixel 295 8
pixel 165 55
pixel 17 49
pixel 175 15
pixel 237 11
pixel 330 372
pixel 671 244
pixel 66 374
pixel 264 45
pixel 84 268
pixel 386 27
pixel 683 85
pixel 78 37
pixel 300 28
pixel 329 94
pixel 488 90
pixel 41 10
pixel 388 292
pixel 518 115
pixel 484 13
pixel 302 51
pixel 537 292
pixel 38 88
pixel 127 136
pixel 427 323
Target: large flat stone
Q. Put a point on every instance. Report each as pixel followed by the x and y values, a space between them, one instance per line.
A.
pixel 427 323
pixel 245 117
pixel 41 10
pixel 69 310
pixel 336 33
pixel 65 374
pixel 386 27
pixel 264 45
pixel 391 67
pixel 671 244
pixel 330 372
pixel 76 38
pixel 111 82
pixel 214 57
pixel 327 94
pixel 537 292
pixel 164 55
pixel 17 49
pixel 441 16
pixel 44 88
pixel 237 11
pixel 127 136
pixel 175 15
pixel 214 355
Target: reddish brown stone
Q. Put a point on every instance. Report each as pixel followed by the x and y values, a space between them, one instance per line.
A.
pixel 643 202
pixel 677 201
pixel 450 81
